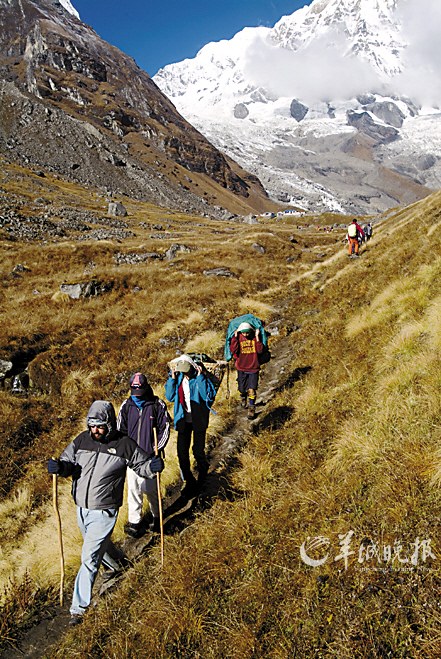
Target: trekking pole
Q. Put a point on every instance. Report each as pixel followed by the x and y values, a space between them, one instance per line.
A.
pixel 60 534
pixel 228 387
pixel 158 481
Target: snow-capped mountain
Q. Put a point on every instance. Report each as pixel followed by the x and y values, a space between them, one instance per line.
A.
pixel 336 107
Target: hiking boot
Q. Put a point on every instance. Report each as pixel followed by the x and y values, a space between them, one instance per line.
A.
pixel 190 489
pixel 134 530
pixel 75 619
pixel 155 526
pixel 251 414
pixel 243 401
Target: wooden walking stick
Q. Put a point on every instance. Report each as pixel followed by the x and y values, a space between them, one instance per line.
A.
pixel 158 481
pixel 60 534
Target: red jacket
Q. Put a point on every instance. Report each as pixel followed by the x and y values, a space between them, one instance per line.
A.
pixel 245 352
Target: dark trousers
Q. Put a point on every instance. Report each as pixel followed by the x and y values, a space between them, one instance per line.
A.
pixel 246 381
pixel 185 431
pixel 247 384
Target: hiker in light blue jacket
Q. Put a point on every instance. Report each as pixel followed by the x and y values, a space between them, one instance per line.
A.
pixel 193 394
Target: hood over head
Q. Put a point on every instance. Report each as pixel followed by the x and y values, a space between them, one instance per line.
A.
pixel 100 413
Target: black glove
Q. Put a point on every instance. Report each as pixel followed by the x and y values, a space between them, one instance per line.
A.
pixel 156 464
pixel 53 466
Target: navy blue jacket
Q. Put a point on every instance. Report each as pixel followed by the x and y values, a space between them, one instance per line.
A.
pixel 138 423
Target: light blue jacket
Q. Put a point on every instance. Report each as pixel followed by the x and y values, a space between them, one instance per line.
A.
pixel 202 395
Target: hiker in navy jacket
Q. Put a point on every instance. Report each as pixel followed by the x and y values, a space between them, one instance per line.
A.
pixel 192 393
pixel 137 417
pixel 97 460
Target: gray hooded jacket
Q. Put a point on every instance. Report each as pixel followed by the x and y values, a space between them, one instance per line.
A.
pixel 98 468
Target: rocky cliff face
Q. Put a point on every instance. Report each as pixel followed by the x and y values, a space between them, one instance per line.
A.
pixel 73 104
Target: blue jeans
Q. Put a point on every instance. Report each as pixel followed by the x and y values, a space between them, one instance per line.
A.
pixel 96 527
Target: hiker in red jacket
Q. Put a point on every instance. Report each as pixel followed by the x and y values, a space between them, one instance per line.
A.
pixel 354 233
pixel 246 346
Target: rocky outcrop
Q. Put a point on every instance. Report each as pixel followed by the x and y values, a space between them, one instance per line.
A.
pixel 388 112
pixel 132 258
pixel 378 133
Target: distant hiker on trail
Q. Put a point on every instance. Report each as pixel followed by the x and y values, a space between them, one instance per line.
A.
pixel 355 232
pixel 193 394
pixel 97 460
pixel 246 346
pixel 368 231
pixel 137 417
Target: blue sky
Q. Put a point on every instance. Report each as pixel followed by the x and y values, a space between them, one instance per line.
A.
pixel 159 33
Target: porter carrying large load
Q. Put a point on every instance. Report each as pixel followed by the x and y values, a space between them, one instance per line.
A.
pixel 255 323
pixel 247 342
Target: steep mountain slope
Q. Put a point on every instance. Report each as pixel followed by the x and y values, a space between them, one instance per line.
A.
pixel 323 540
pixel 336 107
pixel 73 104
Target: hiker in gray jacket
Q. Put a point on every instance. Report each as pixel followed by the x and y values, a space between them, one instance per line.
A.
pixel 98 460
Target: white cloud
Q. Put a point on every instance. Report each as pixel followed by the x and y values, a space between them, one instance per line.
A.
pixel 316 73
pixel 421 77
pixel 321 72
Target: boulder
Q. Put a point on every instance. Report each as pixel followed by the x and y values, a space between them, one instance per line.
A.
pixel 241 111
pixel 426 161
pixel 218 272
pixel 20 268
pixel 175 249
pixel 259 248
pixel 85 289
pixel 5 367
pixel 298 110
pixel 20 383
pixel 250 219
pixel 117 209
pixel 365 99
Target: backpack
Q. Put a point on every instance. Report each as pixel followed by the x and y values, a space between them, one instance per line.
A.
pixel 352 231
pixel 256 323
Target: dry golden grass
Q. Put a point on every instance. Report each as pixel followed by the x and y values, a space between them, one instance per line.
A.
pixel 349 443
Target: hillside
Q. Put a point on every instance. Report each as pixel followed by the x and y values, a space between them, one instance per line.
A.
pixel 75 106
pixel 342 465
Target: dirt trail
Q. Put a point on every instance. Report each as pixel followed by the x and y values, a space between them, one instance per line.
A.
pixel 179 513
